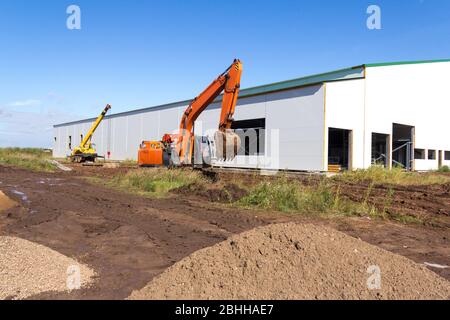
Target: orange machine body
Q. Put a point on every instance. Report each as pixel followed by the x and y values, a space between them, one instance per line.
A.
pixel 182 144
pixel 151 153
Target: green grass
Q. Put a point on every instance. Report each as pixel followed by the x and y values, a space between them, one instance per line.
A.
pixel 444 169
pixel 29 158
pixel 290 196
pixel 156 182
pixel 322 200
pixel 128 163
pixel 396 176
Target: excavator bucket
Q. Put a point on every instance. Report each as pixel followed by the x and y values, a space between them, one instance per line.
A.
pixel 227 144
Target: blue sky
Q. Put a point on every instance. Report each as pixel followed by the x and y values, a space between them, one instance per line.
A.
pixel 136 53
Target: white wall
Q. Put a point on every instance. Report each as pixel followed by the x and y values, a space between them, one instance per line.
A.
pixel 417 95
pixel 345 110
pixel 294 129
pixel 299 117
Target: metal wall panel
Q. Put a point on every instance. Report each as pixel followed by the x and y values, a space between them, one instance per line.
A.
pixel 296 116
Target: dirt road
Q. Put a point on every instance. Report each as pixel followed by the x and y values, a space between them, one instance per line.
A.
pixel 128 239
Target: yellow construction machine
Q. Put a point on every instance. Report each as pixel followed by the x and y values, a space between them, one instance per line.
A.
pixel 85 152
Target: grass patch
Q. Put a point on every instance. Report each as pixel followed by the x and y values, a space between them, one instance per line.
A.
pixel 322 200
pixel 444 169
pixel 157 182
pixel 290 196
pixel 29 158
pixel 128 163
pixel 379 175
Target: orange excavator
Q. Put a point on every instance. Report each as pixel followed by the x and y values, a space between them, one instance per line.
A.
pixel 177 149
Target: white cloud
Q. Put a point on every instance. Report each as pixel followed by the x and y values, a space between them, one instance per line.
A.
pixel 33 127
pixel 30 129
pixel 26 103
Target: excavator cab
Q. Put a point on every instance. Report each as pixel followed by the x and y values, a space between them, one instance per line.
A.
pixel 153 154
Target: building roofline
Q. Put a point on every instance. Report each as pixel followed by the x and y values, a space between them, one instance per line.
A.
pixel 356 72
pixel 398 63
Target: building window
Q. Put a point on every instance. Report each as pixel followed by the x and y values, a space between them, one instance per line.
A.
pixel 431 154
pixel 70 142
pixel 55 139
pixel 252 133
pixel 419 154
pixel 447 155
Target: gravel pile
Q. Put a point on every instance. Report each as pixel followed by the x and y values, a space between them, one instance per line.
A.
pixel 293 261
pixel 27 269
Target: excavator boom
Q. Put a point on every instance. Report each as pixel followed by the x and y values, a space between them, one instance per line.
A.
pixel 228 83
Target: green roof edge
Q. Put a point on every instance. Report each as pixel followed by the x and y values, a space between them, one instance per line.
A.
pixel 386 64
pixel 339 74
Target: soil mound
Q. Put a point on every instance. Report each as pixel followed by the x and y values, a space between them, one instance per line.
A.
pixel 224 194
pixel 295 261
pixel 27 269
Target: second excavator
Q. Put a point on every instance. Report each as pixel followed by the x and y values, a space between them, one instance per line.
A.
pixel 177 149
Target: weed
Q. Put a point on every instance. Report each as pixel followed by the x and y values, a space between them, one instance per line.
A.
pixel 444 169
pixel 290 196
pixel 157 181
pixel 29 158
pixel 379 175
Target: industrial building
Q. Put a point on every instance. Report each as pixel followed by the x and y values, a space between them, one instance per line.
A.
pixel 391 114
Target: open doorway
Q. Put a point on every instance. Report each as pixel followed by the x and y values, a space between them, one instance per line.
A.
pixel 402 146
pixel 252 134
pixel 380 149
pixel 339 149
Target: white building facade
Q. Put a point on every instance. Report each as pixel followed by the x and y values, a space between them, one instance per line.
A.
pixel 392 114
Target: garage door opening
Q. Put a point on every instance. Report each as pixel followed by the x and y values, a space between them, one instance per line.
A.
pixel 402 146
pixel 252 133
pixel 380 149
pixel 339 149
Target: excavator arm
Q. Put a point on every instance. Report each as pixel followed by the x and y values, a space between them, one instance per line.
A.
pixel 154 153
pixel 228 82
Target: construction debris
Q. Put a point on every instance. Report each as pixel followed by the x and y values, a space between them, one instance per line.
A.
pixel 295 261
pixel 60 166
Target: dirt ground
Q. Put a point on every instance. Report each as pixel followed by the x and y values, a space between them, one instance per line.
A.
pixel 128 240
